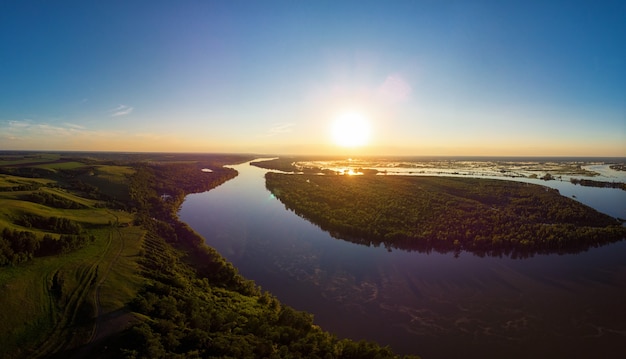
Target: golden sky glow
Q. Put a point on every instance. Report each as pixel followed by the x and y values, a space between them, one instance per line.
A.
pixel 523 78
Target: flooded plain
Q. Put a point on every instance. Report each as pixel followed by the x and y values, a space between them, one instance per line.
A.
pixel 430 304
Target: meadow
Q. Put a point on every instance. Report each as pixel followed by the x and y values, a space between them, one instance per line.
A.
pixel 52 301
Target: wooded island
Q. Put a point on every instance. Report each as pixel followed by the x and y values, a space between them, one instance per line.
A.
pixel 446 214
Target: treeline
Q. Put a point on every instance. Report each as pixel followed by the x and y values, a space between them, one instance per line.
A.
pixel 602 184
pixel 280 164
pixel 159 216
pixel 52 224
pixel 21 187
pixel 446 214
pixel 199 305
pixel 25 171
pixel 20 246
pixel 191 316
pixel 87 190
pixel 189 178
pixel 53 200
pixel 286 164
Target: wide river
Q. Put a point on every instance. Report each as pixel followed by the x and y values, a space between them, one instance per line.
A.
pixel 430 304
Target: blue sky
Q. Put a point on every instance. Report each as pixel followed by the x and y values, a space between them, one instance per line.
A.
pixel 431 77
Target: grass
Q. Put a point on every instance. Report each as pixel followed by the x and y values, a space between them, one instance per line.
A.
pixel 70 165
pixel 123 280
pixel 70 196
pixel 100 278
pixel 110 180
pixel 12 160
pixel 9 181
pixel 32 315
pixel 89 217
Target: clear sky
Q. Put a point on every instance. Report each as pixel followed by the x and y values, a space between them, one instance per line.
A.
pixel 430 77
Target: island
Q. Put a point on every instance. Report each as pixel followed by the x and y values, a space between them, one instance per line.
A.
pixel 446 214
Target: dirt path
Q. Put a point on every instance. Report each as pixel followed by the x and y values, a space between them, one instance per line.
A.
pixel 56 344
pixel 97 302
pixel 104 323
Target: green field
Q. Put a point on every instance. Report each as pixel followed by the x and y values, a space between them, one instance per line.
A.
pixel 8 182
pixel 57 302
pixel 60 165
pixel 33 316
pixel 30 159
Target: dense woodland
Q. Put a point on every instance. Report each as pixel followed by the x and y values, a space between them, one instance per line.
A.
pixel 446 214
pixel 20 246
pixel 197 304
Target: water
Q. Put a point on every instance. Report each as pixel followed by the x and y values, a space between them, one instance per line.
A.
pixel 434 305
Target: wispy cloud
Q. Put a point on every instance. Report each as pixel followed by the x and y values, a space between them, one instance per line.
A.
pixel 73 125
pixel 20 124
pixel 28 134
pixel 30 128
pixel 280 128
pixel 121 110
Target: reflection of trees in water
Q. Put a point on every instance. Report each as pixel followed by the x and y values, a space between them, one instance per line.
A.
pixel 444 214
pixel 301 263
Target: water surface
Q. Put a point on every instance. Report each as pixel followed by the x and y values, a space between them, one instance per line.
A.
pixel 430 304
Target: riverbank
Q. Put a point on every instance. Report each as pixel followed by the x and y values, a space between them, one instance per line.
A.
pixel 414 301
pixel 198 302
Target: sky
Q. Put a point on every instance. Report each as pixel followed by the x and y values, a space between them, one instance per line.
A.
pixel 508 78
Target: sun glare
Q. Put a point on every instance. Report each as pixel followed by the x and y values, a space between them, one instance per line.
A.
pixel 350 130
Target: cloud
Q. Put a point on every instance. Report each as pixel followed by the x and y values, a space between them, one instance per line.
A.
pixel 121 110
pixel 20 124
pixel 30 129
pixel 280 128
pixel 73 125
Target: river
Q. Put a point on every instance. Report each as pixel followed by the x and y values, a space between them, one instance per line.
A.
pixel 430 304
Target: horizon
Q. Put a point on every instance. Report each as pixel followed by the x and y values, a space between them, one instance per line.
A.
pixel 415 78
pixel 323 157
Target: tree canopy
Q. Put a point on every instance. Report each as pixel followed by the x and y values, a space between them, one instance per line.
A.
pixel 483 216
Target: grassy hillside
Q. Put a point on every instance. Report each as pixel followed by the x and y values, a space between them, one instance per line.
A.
pixel 51 302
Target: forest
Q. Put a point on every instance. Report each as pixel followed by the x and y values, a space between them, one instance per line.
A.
pixel 446 214
pixel 20 246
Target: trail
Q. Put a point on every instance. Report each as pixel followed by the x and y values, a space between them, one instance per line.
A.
pixel 98 306
pixel 88 347
pixel 60 337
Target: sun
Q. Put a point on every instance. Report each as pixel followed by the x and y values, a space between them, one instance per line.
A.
pixel 351 129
